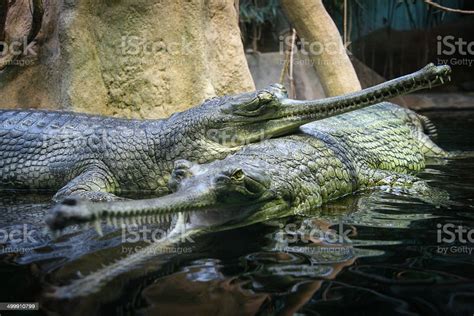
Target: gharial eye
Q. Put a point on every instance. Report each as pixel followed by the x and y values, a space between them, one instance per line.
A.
pixel 238 175
pixel 265 96
pixel 253 106
pixel 261 99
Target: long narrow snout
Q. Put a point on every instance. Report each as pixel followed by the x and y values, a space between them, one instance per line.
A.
pixel 301 112
pixel 74 211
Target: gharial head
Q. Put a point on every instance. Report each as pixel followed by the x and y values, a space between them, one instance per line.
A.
pixel 209 194
pixel 250 117
pixel 233 182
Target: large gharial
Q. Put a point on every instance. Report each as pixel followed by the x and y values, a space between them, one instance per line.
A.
pixel 98 158
pixel 377 147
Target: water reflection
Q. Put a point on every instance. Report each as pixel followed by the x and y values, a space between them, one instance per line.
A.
pixel 390 260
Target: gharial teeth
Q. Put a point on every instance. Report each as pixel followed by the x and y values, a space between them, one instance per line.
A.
pixel 56 233
pixel 98 228
pixel 121 222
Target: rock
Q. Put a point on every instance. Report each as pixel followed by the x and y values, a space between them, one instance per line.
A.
pixel 145 58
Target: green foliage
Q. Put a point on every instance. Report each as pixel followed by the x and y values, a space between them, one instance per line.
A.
pixel 259 11
pixel 334 5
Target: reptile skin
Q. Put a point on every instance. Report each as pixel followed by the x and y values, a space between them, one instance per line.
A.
pixel 377 147
pixel 98 158
pixel 380 145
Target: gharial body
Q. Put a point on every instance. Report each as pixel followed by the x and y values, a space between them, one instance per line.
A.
pixel 380 146
pixel 98 158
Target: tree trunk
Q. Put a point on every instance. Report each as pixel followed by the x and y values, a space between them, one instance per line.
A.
pixel 322 41
pixel 3 17
pixel 130 58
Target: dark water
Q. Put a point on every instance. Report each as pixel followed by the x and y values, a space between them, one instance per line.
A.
pixel 392 262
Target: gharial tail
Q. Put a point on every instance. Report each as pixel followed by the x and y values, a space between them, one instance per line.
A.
pixel 431 149
pixel 428 134
pixel 428 127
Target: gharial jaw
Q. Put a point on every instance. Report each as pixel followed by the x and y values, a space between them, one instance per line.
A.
pixel 209 194
pixel 151 211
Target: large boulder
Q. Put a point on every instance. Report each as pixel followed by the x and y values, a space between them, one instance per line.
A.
pixel 146 58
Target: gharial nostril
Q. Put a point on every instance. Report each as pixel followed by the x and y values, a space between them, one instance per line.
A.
pixel 69 202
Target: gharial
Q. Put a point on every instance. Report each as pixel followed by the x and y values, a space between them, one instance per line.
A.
pixel 98 158
pixel 377 147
